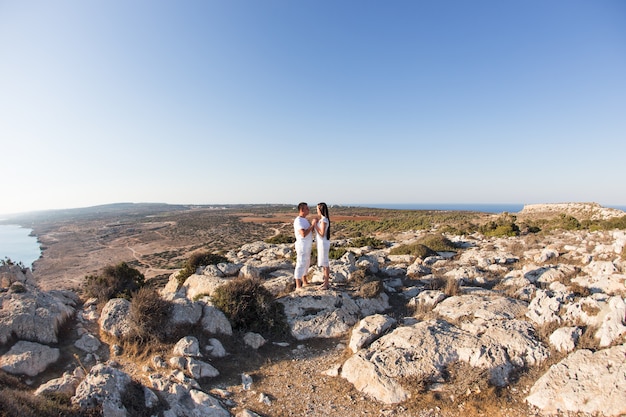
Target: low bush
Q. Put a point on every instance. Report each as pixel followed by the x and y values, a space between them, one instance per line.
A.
pixel 503 226
pixel 149 315
pixel 281 239
pixel 372 242
pixel 438 243
pixel 118 281
pixel 250 306
pixel 425 246
pixel 198 259
pixel 414 249
pixel 370 289
pixel 336 253
pixel 453 287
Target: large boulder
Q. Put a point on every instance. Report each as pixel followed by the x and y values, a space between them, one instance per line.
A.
pixel 421 351
pixel 584 382
pixel 114 318
pixel 28 358
pixel 34 315
pixel 105 386
pixel 327 314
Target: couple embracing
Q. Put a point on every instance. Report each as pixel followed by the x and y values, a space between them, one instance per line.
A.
pixel 304 242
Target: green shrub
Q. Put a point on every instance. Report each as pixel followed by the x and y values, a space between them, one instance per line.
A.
pixel 615 223
pixel 567 222
pixel 414 249
pixel 196 260
pixel 360 242
pixel 336 253
pixel 281 239
pixel 438 243
pixel 503 226
pixel 250 306
pixel 118 281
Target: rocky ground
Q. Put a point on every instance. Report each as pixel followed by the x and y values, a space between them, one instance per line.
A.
pixel 292 377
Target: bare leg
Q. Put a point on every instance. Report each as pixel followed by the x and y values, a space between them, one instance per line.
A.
pixel 326 283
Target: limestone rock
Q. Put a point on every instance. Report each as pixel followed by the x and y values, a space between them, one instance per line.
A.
pixel 66 384
pixel 564 339
pixel 34 315
pixel 420 351
pixel 584 382
pixel 28 358
pixel 328 314
pixel 369 329
pixel 185 312
pixel 114 318
pixel 488 307
pixel 103 386
pixel 187 346
pixel 254 340
pixel 214 321
pixel 88 343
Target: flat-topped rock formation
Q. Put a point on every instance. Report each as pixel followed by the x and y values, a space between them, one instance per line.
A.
pixel 582 211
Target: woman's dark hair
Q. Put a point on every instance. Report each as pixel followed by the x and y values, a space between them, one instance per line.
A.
pixel 324 210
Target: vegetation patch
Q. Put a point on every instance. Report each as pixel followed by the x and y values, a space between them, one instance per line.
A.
pixel 280 239
pixel 369 241
pixel 17 400
pixel 198 259
pixel 503 226
pixel 250 307
pixel 118 281
pixel 418 250
pixel 149 316
pixel 425 246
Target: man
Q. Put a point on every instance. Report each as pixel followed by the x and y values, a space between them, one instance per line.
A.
pixel 304 242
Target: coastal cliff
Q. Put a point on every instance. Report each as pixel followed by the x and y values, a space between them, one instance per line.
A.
pixel 582 211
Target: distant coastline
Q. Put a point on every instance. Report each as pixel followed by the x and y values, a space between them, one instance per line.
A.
pixel 18 244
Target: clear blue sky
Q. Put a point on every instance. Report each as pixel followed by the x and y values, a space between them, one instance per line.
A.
pixel 281 101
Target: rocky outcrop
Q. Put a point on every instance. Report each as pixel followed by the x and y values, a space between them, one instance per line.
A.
pixel 513 301
pixel 591 211
pixel 584 382
pixel 30 314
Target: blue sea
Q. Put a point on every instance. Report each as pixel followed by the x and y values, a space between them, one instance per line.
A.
pixel 18 245
pixel 484 208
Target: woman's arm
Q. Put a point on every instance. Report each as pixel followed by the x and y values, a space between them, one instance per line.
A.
pixel 321 228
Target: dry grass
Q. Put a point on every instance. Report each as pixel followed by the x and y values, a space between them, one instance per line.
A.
pixel 16 400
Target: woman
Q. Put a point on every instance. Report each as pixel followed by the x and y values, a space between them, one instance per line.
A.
pixel 322 228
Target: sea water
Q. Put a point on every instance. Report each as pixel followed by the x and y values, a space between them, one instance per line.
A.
pixel 484 208
pixel 18 245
